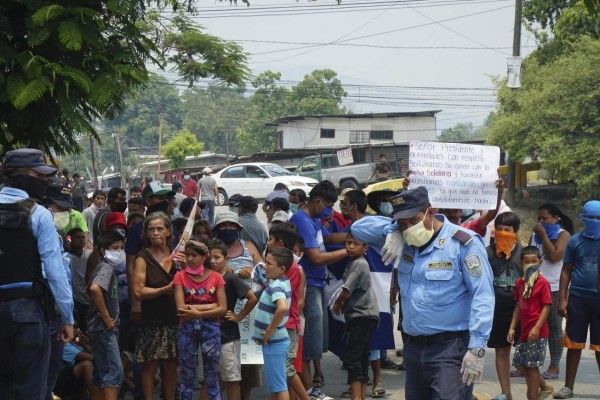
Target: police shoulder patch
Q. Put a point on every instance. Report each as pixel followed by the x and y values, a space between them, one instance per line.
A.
pixel 473 265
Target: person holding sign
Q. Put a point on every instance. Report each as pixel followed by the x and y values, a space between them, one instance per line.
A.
pixel 447 298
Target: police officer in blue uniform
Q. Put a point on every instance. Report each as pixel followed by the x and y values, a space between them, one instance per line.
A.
pixel 33 281
pixel 447 298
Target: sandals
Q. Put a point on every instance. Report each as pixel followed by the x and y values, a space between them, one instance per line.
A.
pixel 347 394
pixel 516 374
pixel 318 381
pixel 544 394
pixel 550 375
pixel 378 391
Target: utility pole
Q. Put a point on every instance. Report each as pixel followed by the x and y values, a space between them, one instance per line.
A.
pixel 93 150
pixel 512 187
pixel 120 157
pixel 160 124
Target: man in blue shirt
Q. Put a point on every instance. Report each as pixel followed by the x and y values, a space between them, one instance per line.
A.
pixel 307 221
pixel 447 298
pixel 30 261
pixel 578 298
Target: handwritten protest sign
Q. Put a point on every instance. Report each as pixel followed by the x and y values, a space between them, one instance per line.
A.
pixel 251 352
pixel 345 156
pixel 456 175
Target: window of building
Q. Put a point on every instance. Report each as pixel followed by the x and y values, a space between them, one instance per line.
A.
pixel 382 135
pixel 359 136
pixel 327 133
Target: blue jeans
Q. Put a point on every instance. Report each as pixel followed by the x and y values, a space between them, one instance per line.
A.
pixel 208 213
pixel 108 370
pixel 316 330
pixel 433 371
pixel 25 350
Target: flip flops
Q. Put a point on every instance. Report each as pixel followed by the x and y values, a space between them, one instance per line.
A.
pixel 550 375
pixel 378 391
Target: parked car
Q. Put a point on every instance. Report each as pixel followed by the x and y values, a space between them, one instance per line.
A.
pixel 258 180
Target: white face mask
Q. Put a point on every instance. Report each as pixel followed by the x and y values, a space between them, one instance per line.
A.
pixel 385 208
pixel 186 177
pixel 417 235
pixel 114 257
pixel 61 220
pixel 297 258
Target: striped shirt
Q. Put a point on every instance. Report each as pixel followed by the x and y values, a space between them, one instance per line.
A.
pixel 275 290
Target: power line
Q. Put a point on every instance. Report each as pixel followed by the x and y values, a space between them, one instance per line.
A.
pixel 391 31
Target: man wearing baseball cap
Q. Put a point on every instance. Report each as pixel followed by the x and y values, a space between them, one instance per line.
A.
pixel 32 275
pixel 447 298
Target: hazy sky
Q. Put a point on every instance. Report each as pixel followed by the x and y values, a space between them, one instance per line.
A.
pixel 427 52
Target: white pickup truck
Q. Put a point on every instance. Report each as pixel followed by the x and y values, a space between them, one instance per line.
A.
pixel 326 167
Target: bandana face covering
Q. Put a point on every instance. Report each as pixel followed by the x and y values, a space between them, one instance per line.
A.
pixel 530 275
pixel 551 230
pixel 591 227
pixel 504 243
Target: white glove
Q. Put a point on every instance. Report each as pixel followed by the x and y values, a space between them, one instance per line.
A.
pixel 392 249
pixel 472 368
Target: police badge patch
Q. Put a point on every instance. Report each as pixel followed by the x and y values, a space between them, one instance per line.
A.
pixel 473 265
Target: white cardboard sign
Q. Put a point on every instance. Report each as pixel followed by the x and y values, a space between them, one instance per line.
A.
pixel 251 353
pixel 345 156
pixel 456 175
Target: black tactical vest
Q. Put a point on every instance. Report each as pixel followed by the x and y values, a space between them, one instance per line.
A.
pixel 19 257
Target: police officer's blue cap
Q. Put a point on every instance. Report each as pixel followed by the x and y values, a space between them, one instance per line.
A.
pixel 408 203
pixel 28 158
pixel 58 194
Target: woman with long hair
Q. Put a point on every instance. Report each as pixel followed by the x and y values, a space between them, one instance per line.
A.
pixel 550 236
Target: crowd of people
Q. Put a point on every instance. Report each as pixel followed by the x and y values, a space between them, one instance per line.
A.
pixel 100 302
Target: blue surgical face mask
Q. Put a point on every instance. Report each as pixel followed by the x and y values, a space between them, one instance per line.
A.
pixel 591 227
pixel 326 212
pixel 467 213
pixel 386 208
pixel 293 207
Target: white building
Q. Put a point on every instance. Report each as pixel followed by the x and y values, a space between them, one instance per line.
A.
pixel 324 131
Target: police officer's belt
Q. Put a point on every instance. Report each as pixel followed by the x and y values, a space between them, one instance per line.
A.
pixel 437 338
pixel 19 293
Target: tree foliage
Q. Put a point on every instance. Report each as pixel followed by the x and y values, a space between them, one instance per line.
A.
pixel 548 12
pixel 184 144
pixel 555 116
pixel 461 132
pixel 64 65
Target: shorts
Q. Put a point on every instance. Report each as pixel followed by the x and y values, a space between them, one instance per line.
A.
pixel 290 369
pixel 108 370
pixel 230 364
pixel 530 354
pixel 583 314
pixel 374 355
pixel 501 323
pixel 316 330
pixel 251 375
pixel 275 356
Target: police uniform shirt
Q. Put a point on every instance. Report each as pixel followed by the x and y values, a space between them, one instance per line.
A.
pixel 448 286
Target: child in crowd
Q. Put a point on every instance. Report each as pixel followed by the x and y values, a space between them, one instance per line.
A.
pixel 358 302
pixel 78 260
pixel 197 291
pixel 298 250
pixel 230 363
pixel 532 294
pixel 78 369
pixel 504 256
pixel 103 315
pixel 284 235
pixel 269 323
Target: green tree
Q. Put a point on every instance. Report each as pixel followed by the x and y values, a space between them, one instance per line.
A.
pixel 320 92
pixel 184 144
pixel 461 132
pixel 69 64
pixel 554 117
pixel 548 12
